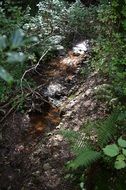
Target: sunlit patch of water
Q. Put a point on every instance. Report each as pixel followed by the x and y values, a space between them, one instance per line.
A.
pixel 47 120
pixel 81 47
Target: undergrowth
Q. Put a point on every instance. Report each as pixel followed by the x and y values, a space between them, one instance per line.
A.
pixel 24 40
pixel 97 147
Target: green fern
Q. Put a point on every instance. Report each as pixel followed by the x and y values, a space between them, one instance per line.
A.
pixel 106 130
pixel 85 158
pixel 87 150
pixel 71 135
pixel 78 140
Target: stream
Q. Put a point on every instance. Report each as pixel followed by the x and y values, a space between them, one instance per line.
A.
pixel 33 153
pixel 58 80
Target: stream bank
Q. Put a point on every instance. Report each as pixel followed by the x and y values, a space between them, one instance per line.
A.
pixel 33 153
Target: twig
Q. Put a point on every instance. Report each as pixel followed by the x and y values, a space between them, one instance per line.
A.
pixel 8 113
pixel 33 68
pixel 41 97
pixel 16 98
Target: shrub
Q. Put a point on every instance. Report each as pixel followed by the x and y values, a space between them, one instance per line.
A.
pixel 13 42
pixel 110 46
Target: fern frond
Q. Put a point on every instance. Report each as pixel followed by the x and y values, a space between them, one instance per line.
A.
pixel 106 130
pixel 70 135
pixel 85 158
pixel 82 142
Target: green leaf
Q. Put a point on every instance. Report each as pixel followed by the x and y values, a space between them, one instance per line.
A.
pixel 5 75
pixel 14 57
pixel 119 164
pixel 111 150
pixel 17 39
pixel 121 142
pixel 2 42
pixel 124 151
pixel 120 157
pixel 121 116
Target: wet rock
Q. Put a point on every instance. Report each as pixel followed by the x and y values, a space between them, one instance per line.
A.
pixel 61 50
pixel 54 89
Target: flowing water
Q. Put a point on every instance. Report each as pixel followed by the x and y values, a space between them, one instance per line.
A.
pixel 60 76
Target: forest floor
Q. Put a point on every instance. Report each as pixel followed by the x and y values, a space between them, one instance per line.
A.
pixel 33 151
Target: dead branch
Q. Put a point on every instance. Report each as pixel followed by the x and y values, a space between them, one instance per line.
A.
pixel 32 68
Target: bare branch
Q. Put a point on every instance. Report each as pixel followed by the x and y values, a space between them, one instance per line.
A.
pixel 32 68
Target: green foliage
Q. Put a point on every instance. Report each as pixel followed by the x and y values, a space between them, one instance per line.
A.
pixel 85 158
pixel 58 23
pixel 17 39
pixel 13 61
pixel 11 17
pixel 11 47
pixel 93 137
pixel 120 163
pixel 15 54
pixel 5 75
pixel 113 150
pixel 49 24
pixel 121 142
pixel 11 57
pixel 69 134
pixel 109 60
pixel 55 22
pixel 109 48
pixel 11 54
pixel 95 145
pixel 82 20
pixel 107 129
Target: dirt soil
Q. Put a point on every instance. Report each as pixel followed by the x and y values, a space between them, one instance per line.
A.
pixel 33 153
